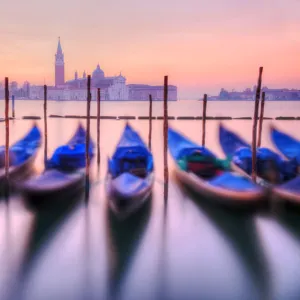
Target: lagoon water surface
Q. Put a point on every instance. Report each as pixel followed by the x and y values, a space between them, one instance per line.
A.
pixel 184 248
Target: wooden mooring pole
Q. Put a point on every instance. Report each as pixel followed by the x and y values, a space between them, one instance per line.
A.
pixel 45 126
pixel 98 125
pixel 87 143
pixel 254 131
pixel 150 122
pixel 6 138
pixel 204 119
pixel 261 117
pixel 13 105
pixel 165 132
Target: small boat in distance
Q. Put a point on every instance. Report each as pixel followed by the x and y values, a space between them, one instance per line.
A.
pixel 22 155
pixel 200 170
pixel 130 177
pixel 64 175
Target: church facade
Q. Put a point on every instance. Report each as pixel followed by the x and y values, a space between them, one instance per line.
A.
pixel 111 88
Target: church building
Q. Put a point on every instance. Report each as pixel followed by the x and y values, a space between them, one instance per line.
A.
pixel 112 88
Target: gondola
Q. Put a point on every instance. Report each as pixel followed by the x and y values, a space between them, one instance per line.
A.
pixel 200 170
pixel 21 156
pixel 272 169
pixel 64 173
pixel 287 145
pixel 130 176
pixel 290 148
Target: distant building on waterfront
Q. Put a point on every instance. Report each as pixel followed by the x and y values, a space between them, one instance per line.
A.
pixel 282 94
pixel 16 90
pixel 112 88
pixel 142 92
pixel 249 94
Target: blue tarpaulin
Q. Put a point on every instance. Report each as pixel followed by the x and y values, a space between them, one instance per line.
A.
pixel 180 146
pixel 286 144
pixel 25 147
pixel 73 154
pixel 130 147
pixel 240 152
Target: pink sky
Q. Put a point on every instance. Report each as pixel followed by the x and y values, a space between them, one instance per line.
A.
pixel 202 45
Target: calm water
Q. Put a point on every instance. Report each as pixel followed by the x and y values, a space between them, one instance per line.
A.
pixel 185 249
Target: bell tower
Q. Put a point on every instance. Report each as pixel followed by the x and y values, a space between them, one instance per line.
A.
pixel 59 66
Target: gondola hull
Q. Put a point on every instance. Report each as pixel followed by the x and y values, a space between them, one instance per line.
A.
pixel 288 192
pixel 130 174
pixel 290 148
pixel 284 170
pixel 52 187
pixel 125 199
pixel 25 152
pixel 220 195
pixel 64 174
pixel 286 144
pixel 18 173
pixel 209 177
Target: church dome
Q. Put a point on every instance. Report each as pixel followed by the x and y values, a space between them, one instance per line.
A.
pixel 98 73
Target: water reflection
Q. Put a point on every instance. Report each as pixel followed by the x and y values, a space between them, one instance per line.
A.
pixel 166 193
pixel 15 227
pixel 289 216
pixel 283 256
pixel 238 227
pixel 124 237
pixel 162 263
pixel 46 223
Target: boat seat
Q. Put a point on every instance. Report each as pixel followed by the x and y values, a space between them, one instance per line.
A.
pixel 203 169
pixel 136 166
pixel 140 172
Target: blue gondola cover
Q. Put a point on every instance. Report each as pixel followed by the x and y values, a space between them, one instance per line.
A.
pixel 25 147
pixel 72 155
pixel 180 147
pixel 240 152
pixel 286 144
pixel 130 146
